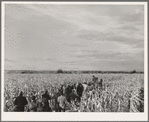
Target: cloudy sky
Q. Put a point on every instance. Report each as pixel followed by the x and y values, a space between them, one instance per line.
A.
pixel 74 37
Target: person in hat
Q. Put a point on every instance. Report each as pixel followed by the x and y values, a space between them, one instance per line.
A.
pixel 45 100
pixel 93 79
pixel 20 102
pixel 46 95
pixel 46 107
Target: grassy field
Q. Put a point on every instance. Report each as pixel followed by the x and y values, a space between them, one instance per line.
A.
pixel 120 94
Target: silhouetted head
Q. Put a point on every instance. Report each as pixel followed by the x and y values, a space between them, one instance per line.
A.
pixel 46 92
pixel 79 84
pixel 21 93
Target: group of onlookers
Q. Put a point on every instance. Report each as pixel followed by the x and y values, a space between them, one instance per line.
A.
pixel 65 95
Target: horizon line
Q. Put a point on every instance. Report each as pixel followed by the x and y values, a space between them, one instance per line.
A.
pixel 78 70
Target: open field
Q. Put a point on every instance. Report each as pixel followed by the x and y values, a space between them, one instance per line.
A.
pixel 120 93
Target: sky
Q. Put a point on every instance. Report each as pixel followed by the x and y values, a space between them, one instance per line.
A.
pixel 74 37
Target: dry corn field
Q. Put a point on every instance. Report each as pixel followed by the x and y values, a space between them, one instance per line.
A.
pixel 121 92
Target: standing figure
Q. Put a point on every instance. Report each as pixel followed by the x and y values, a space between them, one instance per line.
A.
pixel 40 106
pixel 101 84
pixel 62 103
pixel 95 79
pixel 80 90
pixel 45 102
pixel 20 102
pixel 46 95
pixel 33 105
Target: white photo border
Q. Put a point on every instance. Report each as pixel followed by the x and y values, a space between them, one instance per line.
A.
pixel 53 116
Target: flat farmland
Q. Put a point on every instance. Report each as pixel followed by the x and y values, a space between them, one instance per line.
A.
pixel 120 90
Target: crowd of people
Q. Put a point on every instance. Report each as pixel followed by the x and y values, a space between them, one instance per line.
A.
pixel 66 97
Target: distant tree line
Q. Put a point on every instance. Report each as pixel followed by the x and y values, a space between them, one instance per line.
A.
pixel 60 71
pixel 96 72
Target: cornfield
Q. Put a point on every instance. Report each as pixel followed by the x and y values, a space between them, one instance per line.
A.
pixel 121 92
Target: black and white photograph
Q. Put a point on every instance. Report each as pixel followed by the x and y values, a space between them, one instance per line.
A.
pixel 74 59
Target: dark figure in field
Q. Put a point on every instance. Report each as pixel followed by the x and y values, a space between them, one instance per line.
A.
pixel 33 105
pixel 101 83
pixel 140 107
pixel 20 103
pixel 46 107
pixel 68 91
pixel 95 79
pixel 74 96
pixel 75 86
pixel 45 102
pixel 61 89
pixel 46 95
pixel 80 89
pixel 43 105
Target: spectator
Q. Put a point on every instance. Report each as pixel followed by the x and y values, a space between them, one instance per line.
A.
pixel 46 107
pixel 20 102
pixel 40 106
pixel 93 78
pixel 62 103
pixel 45 102
pixel 46 95
pixel 33 105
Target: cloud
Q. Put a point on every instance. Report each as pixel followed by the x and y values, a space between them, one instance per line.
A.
pixel 120 35
pixel 129 28
pixel 74 36
pixel 10 60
